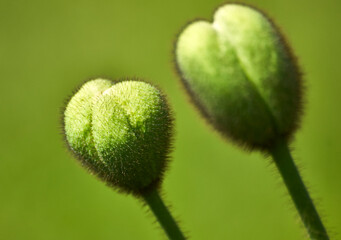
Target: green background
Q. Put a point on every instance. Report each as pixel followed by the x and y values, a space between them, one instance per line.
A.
pixel 216 190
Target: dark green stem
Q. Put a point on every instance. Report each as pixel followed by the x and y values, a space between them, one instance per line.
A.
pixel 304 204
pixel 162 214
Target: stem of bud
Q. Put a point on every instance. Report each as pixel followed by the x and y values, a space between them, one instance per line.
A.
pixel 169 225
pixel 299 193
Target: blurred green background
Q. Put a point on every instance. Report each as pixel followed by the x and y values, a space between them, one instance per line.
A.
pixel 216 190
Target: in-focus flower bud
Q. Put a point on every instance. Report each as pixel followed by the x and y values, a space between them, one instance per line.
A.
pixel 121 132
pixel 242 75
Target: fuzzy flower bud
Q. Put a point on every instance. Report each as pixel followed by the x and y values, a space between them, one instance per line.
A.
pixel 241 75
pixel 121 132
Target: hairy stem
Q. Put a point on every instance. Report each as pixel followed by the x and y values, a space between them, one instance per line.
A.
pixel 163 215
pixel 299 193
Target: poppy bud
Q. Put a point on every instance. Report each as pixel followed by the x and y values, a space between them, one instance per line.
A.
pixel 241 75
pixel 121 132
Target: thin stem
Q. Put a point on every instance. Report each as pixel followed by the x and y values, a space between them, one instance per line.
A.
pixel 299 193
pixel 163 215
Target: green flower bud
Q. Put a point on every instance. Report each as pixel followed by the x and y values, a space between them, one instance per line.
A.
pixel 242 75
pixel 121 132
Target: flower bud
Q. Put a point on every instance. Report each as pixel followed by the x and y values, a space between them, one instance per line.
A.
pixel 241 75
pixel 121 132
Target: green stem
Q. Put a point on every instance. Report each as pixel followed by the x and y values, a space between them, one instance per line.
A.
pixel 304 204
pixel 163 215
